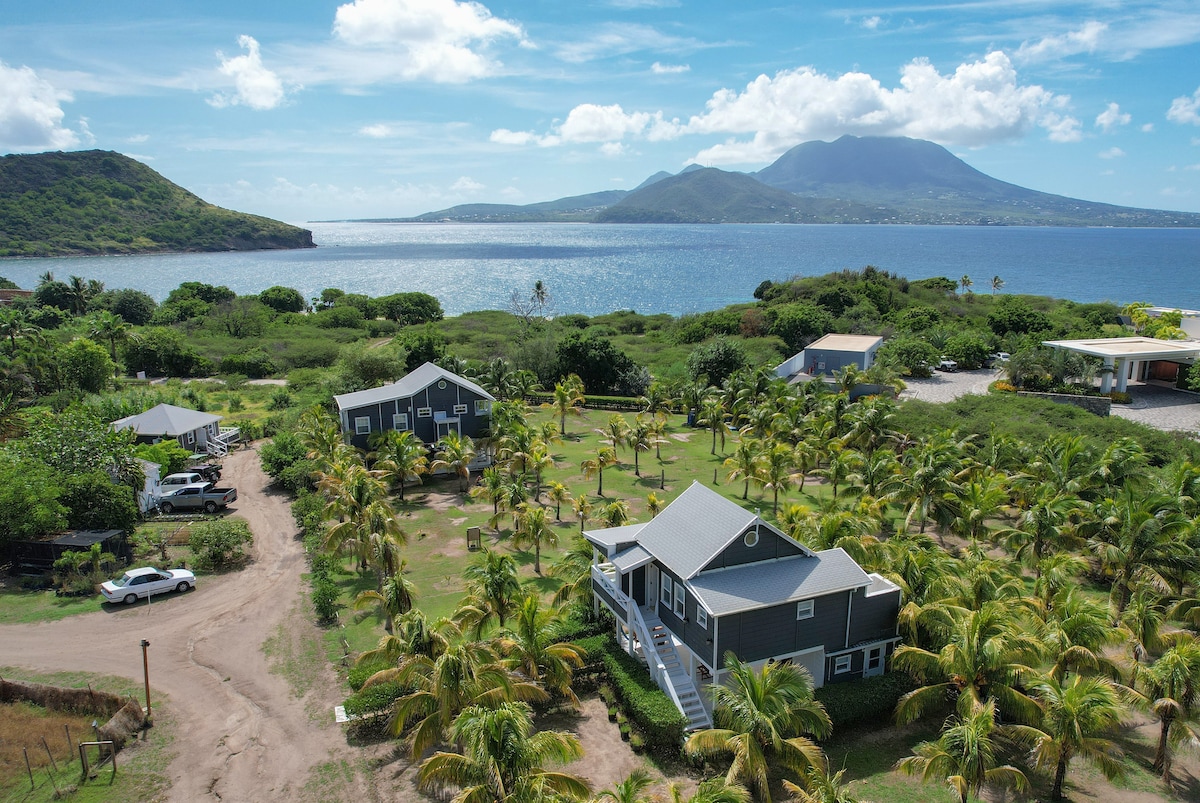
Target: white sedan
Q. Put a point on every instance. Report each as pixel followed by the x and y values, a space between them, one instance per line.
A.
pixel 138 584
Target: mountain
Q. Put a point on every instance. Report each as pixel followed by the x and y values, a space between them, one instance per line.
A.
pixel 577 208
pixel 851 180
pixel 100 202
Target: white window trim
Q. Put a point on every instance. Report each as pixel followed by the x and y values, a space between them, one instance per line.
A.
pixel 424 412
pixel 665 594
pixel 460 409
pixel 680 606
pixel 805 609
pixel 400 421
pixel 842 664
pixel 482 406
pixel 750 539
pixel 702 617
pixel 191 437
pixel 362 425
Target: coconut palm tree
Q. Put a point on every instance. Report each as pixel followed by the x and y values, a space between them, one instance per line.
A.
pixel 615 513
pixel 605 456
pixel 965 755
pixel 630 790
pixel 616 432
pixel 493 486
pixel 455 453
pixel 110 328
pixel 534 528
pixel 558 493
pixel 775 471
pixel 1075 716
pixel 762 719
pixel 966 283
pixel 393 600
pixel 1076 632
pixel 574 569
pixel 567 400
pixel 401 456
pixel 503 760
pixel 639 438
pixel 818 786
pixel 997 283
pixel 14 325
pixel 1046 527
pixel 1172 685
pixel 711 791
pixel 492 591
pixel 583 508
pixel 538 461
pixel 743 463
pixel 712 415
pixel 654 504
pixel 529 646
pixel 414 635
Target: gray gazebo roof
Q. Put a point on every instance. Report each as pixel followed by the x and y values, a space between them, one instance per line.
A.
pixel 166 420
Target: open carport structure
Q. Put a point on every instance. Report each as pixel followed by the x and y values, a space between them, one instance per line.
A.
pixel 1124 357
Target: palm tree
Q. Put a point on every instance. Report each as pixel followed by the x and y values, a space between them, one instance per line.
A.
pixel 574 569
pixel 534 528
pixel 616 432
pixel 982 498
pixel 820 787
pixel 639 438
pixel 743 463
pixel 321 436
pixel 492 590
pixel 111 328
pixel 455 452
pixel 605 456
pixel 538 460
pixel 997 283
pixel 966 283
pixel 615 513
pixel 567 400
pixel 1075 716
pixel 712 415
pixel 493 486
pixel 1172 684
pixel 530 647
pixel 629 790
pixel 762 718
pixel 1076 632
pixel 583 508
pixel 503 760
pixel 1042 529
pixel 15 324
pixel 401 456
pixel 987 653
pixel 654 504
pixel 775 471
pixel 414 635
pixel 964 756
pixel 715 790
pixel 558 494
pixel 366 519
pixel 393 600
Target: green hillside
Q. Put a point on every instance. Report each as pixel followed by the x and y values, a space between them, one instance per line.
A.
pixel 100 202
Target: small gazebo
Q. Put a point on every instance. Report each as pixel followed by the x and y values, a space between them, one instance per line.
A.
pixel 1123 356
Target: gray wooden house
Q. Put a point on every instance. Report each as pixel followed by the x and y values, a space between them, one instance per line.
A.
pixel 195 430
pixel 429 402
pixel 706 576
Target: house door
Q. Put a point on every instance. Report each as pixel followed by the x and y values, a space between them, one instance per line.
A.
pixel 874 662
pixel 652 587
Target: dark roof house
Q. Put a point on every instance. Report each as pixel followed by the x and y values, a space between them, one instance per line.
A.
pixel 195 430
pixel 706 577
pixel 428 401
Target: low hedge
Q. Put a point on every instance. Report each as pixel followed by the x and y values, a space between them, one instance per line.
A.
pixel 374 700
pixel 359 674
pixel 867 700
pixel 645 704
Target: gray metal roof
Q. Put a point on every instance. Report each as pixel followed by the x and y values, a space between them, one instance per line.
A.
pixel 411 383
pixel 610 538
pixel 757 585
pixel 631 559
pixel 166 419
pixel 695 527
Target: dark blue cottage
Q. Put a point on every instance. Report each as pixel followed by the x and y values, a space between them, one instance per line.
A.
pixel 706 577
pixel 430 402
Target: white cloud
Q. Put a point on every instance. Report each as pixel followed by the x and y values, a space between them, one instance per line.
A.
pixel 376 131
pixel 85 132
pixel 871 23
pixel 255 85
pixel 589 122
pixel 668 69
pixel 1112 153
pixel 1061 128
pixel 30 114
pixel 1192 167
pixel 138 139
pixel 425 39
pixel 466 184
pixel 615 39
pixel 503 136
pixel 613 149
pixel 1185 110
pixel 1112 117
pixel 1084 40
pixel 1148 128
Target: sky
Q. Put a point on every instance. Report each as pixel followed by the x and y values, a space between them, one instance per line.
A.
pixel 308 110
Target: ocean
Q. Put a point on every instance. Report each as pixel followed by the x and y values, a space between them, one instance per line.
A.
pixel 594 269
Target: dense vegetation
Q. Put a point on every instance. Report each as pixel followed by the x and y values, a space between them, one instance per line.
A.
pixel 99 202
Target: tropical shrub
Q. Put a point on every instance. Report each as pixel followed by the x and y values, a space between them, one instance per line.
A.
pixel 863 700
pixel 220 544
pixel 375 700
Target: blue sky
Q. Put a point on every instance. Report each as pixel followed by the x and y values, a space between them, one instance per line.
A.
pixel 310 110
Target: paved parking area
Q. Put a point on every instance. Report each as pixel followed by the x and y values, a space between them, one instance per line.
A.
pixel 1153 405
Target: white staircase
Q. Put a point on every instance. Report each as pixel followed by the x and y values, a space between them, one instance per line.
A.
pixel 687 696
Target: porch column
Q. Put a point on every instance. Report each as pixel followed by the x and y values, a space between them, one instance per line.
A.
pixel 1123 368
pixel 1106 377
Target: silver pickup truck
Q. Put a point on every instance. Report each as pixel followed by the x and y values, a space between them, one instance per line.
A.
pixel 197 496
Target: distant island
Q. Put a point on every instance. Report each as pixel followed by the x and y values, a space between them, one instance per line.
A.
pixel 852 180
pixel 101 202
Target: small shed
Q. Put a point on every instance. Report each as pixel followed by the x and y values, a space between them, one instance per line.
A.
pixel 474 542
pixel 35 557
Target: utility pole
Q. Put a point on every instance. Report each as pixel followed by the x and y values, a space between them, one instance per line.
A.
pixel 146 672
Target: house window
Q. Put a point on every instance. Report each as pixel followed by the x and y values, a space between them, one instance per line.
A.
pixel 702 617
pixel 362 425
pixel 424 412
pixel 680 600
pixel 751 537
pixel 442 384
pixel 666 590
pixel 804 609
pixel 191 438
pixel 841 664
pixel 482 406
pixel 400 421
pixel 460 409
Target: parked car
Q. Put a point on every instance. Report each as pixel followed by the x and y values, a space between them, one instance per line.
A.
pixel 947 364
pixel 197 496
pixel 172 482
pixel 140 583
pixel 211 472
pixel 999 358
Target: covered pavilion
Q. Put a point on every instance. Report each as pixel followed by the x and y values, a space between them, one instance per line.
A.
pixel 1123 356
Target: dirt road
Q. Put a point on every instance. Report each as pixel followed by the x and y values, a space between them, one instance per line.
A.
pixel 241 734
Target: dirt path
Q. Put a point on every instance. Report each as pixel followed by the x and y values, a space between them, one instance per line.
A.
pixel 242 734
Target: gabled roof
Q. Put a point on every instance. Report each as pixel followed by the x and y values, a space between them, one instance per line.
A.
pixel 756 585
pixel 410 384
pixel 609 538
pixel 166 420
pixel 696 527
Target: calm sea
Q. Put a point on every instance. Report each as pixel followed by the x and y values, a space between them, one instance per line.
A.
pixel 677 269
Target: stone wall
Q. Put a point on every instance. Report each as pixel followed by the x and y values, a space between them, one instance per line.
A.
pixel 1100 405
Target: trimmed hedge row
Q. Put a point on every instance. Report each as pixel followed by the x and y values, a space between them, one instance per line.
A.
pixel 865 700
pixel 647 706
pixel 375 699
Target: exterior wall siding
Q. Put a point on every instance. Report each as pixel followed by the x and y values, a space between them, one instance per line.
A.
pixel 769 547
pixel 612 603
pixel 767 632
pixel 874 618
pixel 439 400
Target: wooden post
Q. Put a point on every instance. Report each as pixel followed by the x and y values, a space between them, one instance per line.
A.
pixel 67 728
pixel 29 769
pixel 53 763
pixel 146 669
pixel 662 480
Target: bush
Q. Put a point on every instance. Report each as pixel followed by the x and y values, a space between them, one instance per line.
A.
pixel 648 707
pixel 220 544
pixel 325 599
pixel 1004 387
pixel 867 700
pixel 375 699
pixel 1120 397
pixel 360 673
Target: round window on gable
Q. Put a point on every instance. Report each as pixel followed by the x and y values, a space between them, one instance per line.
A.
pixel 750 538
pixel 442 384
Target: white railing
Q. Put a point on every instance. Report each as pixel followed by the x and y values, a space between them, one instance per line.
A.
pixel 637 626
